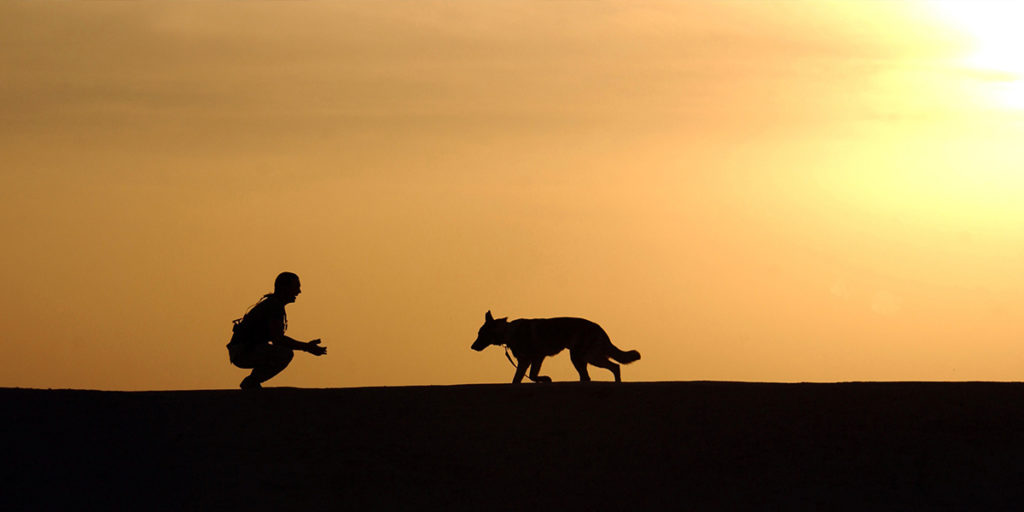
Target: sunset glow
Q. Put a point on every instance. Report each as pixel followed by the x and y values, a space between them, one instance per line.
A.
pixel 763 190
pixel 996 39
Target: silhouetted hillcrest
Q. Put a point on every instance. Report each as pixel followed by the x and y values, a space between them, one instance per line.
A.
pixel 563 446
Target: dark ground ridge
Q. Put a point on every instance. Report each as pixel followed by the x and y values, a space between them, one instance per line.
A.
pixel 574 446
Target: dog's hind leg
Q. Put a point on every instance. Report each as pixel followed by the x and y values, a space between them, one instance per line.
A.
pixel 605 363
pixel 579 360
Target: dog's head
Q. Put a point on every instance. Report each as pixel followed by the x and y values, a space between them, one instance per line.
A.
pixel 491 333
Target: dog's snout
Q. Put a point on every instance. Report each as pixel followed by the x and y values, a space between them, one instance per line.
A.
pixel 478 345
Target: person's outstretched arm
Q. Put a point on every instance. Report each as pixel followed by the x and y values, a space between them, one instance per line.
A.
pixel 313 347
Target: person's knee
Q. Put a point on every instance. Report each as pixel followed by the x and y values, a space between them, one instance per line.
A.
pixel 283 355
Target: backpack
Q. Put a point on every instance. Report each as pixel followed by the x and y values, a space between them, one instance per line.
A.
pixel 243 330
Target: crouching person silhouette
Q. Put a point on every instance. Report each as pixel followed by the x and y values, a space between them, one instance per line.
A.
pixel 258 340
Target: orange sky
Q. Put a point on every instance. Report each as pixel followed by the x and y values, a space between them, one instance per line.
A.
pixel 780 191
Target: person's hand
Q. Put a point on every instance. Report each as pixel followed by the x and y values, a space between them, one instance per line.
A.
pixel 314 348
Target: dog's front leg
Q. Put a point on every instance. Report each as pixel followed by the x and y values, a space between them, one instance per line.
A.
pixel 520 371
pixel 535 371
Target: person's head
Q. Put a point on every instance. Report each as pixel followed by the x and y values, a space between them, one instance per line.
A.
pixel 286 286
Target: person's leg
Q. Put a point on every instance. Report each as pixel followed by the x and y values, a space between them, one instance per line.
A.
pixel 267 361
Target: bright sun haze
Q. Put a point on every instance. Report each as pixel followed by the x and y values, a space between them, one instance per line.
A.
pixel 993 28
pixel 765 190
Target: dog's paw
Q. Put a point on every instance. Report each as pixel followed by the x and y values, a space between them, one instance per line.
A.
pixel 541 378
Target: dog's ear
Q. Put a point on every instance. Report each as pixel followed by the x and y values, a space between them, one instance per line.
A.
pixel 488 317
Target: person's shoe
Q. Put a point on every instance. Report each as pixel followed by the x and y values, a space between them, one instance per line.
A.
pixel 250 383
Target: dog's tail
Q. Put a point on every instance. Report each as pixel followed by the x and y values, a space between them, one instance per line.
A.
pixel 624 357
